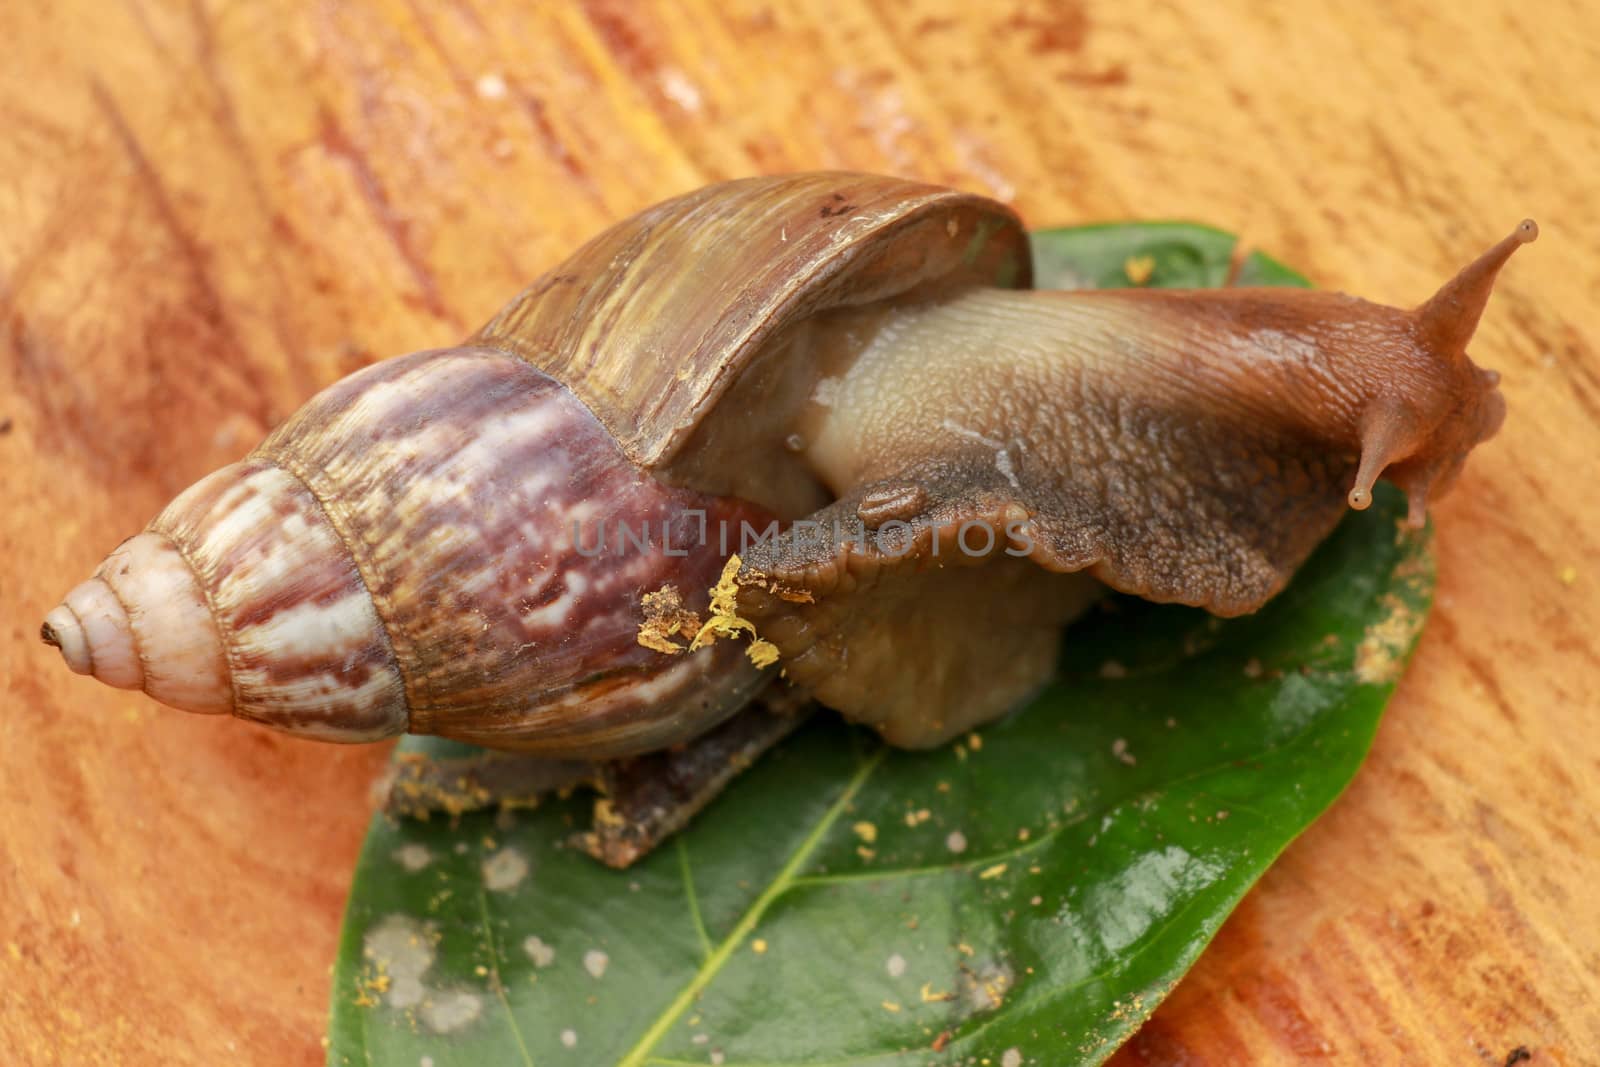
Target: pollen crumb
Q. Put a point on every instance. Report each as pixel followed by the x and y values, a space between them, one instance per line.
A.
pixel 665 620
pixel 992 872
pixel 606 813
pixel 866 831
pixel 1139 269
pixel 726 622
pixel 890 1006
pixel 1569 575
pixel 758 946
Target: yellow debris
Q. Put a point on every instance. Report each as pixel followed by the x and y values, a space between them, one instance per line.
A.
pixel 725 620
pixel 665 619
pixel 1139 268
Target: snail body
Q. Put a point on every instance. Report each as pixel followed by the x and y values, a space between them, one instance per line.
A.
pixel 422 547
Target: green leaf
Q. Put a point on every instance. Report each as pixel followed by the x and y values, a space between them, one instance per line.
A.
pixel 1040 888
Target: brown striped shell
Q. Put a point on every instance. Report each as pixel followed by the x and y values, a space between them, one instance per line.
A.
pixel 407 551
pixel 652 322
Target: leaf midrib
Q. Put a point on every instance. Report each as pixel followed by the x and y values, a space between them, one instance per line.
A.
pixel 786 877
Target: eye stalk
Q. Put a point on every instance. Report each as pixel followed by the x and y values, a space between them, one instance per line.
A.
pixel 1423 447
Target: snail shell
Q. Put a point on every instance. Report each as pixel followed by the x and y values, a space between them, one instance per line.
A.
pixel 406 552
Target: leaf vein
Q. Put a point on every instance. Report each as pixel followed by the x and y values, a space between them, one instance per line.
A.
pixel 494 976
pixel 693 898
pixel 640 1053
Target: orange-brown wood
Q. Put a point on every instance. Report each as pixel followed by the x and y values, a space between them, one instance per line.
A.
pixel 209 209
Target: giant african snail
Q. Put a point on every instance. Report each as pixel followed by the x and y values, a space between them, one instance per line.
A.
pixel 407 551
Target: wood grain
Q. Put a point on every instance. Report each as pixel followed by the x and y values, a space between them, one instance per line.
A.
pixel 209 209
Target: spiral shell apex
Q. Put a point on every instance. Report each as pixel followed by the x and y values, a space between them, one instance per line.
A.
pixel 239 598
pixel 105 628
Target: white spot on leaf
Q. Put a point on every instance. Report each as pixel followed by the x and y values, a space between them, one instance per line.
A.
pixel 402 949
pixel 413 857
pixel 504 870
pixel 540 953
pixel 447 1012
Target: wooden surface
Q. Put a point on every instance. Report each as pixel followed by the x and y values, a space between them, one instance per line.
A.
pixel 209 209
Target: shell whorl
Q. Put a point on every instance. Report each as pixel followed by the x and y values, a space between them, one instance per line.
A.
pixel 304 648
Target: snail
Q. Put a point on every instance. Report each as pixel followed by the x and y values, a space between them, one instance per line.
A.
pixel 524 542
